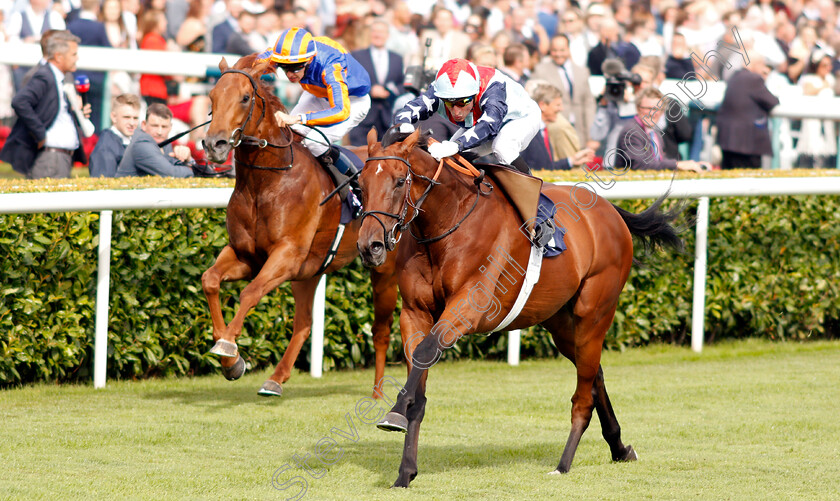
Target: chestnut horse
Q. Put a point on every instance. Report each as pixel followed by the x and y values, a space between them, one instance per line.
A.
pixel 460 262
pixel 277 229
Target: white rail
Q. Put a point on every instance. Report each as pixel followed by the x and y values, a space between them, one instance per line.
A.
pixel 109 200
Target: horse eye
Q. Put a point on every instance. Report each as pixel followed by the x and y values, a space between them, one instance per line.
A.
pixel 246 98
pixel 400 182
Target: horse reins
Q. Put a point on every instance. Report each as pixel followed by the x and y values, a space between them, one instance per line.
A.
pixel 238 137
pixel 391 239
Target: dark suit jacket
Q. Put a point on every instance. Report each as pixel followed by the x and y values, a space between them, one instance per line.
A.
pixel 380 115
pixel 221 34
pixel 537 156
pixel 634 150
pixel 676 132
pixel 143 157
pixel 743 115
pixel 107 154
pixel 36 106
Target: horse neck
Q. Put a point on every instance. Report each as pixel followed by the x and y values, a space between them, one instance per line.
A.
pixel 448 202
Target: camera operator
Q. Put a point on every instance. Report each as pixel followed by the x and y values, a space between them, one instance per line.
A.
pixel 615 106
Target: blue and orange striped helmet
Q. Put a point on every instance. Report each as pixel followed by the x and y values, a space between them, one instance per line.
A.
pixel 294 46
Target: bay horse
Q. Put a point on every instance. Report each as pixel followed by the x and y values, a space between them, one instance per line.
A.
pixel 460 268
pixel 277 229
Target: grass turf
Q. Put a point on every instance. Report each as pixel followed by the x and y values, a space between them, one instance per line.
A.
pixel 745 420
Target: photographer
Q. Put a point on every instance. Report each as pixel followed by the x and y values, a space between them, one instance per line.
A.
pixel 615 105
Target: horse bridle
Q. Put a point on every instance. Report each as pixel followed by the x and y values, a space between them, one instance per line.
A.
pixel 391 236
pixel 238 138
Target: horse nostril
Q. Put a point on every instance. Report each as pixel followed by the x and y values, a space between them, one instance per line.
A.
pixel 220 143
pixel 377 248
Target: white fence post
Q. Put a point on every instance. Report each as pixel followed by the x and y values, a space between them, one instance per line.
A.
pixel 316 356
pixel 698 309
pixel 103 271
pixel 514 340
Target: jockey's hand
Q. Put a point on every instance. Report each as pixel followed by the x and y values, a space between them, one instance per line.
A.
pixel 406 128
pixel 284 119
pixel 443 149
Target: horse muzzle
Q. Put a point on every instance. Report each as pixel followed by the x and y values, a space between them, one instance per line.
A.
pixel 372 253
pixel 217 148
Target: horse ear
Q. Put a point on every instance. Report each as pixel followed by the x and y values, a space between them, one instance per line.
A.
pixel 410 142
pixel 223 65
pixel 372 137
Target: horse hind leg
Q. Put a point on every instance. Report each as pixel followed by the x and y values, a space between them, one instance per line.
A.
pixel 227 268
pixel 609 424
pixel 304 294
pixel 579 334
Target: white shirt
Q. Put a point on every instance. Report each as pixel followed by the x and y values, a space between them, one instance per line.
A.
pixel 62 132
pixel 36 21
pixel 380 63
pixel 125 139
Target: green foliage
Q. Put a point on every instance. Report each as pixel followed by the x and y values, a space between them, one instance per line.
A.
pixel 774 272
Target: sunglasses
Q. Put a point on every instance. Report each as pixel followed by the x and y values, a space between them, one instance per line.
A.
pixel 292 68
pixel 460 102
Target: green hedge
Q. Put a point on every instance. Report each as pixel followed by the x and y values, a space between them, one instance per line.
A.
pixel 774 272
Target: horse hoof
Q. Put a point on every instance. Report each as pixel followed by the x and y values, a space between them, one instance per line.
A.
pixel 270 389
pixel 235 371
pixel 225 348
pixel 393 421
pixel 556 472
pixel 630 454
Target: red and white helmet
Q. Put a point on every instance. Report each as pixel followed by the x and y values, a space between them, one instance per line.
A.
pixel 457 78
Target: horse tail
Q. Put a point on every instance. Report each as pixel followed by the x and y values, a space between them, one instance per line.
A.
pixel 653 226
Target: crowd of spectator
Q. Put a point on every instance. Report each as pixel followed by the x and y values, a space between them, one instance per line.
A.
pixel 556 44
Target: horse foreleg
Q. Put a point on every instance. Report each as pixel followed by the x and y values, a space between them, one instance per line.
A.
pixel 408 464
pixel 227 268
pixel 384 303
pixel 304 294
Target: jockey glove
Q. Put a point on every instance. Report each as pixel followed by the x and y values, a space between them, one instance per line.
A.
pixel 443 149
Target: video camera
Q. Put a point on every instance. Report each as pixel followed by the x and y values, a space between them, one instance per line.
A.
pixel 617 77
pixel 418 78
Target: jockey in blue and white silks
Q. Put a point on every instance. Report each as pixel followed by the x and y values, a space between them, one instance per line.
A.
pixel 494 112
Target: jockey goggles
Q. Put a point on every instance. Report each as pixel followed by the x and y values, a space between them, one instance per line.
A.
pixel 292 68
pixel 459 102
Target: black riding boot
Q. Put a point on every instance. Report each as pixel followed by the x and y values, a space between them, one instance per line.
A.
pixel 521 165
pixel 331 160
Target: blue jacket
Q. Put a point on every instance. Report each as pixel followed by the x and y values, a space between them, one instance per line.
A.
pixel 143 157
pixel 335 75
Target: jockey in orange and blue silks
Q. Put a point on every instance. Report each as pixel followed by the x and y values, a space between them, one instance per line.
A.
pixel 336 85
pixel 494 112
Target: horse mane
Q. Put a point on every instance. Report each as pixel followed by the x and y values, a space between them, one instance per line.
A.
pixel 248 64
pixel 393 135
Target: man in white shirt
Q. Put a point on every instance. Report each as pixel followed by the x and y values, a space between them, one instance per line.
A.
pixel 46 138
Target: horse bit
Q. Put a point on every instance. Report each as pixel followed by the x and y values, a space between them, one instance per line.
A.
pixel 237 137
pixel 391 237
